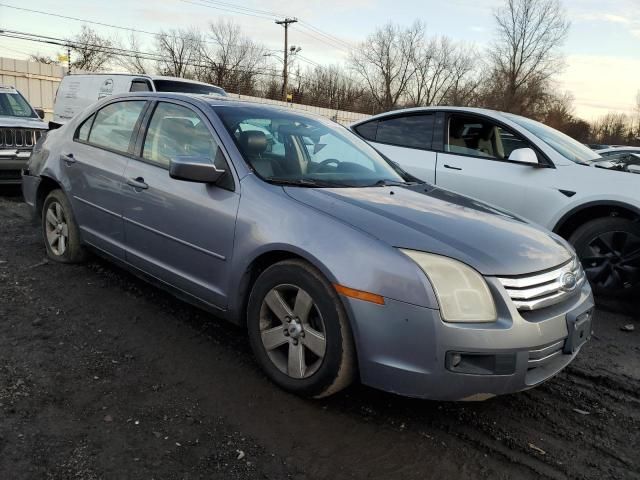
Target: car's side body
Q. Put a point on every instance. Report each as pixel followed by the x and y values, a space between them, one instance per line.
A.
pixel 548 194
pixel 207 243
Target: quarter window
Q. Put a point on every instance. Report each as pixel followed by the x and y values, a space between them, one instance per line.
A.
pixel 85 128
pixel 368 130
pixel 177 131
pixel 114 125
pixel 140 86
pixel 414 131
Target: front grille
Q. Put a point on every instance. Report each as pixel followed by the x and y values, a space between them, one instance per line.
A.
pixel 536 291
pixel 19 137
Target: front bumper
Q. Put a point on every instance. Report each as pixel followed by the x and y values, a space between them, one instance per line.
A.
pixel 12 162
pixel 409 350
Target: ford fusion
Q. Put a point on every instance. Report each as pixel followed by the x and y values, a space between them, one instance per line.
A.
pixel 339 264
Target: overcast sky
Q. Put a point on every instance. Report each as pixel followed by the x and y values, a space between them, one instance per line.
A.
pixel 602 51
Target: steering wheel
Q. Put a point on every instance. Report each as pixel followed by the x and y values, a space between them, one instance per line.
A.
pixel 324 163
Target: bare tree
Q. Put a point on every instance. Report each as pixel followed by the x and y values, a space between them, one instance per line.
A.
pixel 230 58
pixel 524 56
pixel 180 52
pixel 385 62
pixel 442 69
pixel 612 128
pixel 135 61
pixel 40 58
pixel 90 51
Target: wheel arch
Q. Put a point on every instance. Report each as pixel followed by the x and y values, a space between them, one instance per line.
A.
pixel 581 214
pixel 261 261
pixel 46 186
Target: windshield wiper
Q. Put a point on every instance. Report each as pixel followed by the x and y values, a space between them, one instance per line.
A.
pixel 394 183
pixel 306 182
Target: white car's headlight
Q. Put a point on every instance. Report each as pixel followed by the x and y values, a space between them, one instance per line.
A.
pixel 462 293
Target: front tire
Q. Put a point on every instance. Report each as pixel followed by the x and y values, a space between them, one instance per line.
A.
pixel 609 249
pixel 299 331
pixel 60 230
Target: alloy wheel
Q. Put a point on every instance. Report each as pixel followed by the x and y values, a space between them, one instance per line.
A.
pixel 292 331
pixel 57 230
pixel 611 260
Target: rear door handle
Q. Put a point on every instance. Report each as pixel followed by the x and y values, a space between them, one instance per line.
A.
pixel 68 159
pixel 137 183
pixel 451 168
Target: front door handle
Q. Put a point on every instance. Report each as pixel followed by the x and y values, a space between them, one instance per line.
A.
pixel 451 168
pixel 137 183
pixel 68 159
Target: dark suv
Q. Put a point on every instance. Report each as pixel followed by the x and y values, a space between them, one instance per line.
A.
pixel 20 128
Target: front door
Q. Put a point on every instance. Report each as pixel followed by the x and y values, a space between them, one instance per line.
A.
pixel 177 231
pixel 476 163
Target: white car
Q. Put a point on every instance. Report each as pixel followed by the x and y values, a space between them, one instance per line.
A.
pixel 531 170
pixel 77 92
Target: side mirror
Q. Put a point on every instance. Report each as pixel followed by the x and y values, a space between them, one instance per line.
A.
pixel 40 112
pixel 524 155
pixel 194 169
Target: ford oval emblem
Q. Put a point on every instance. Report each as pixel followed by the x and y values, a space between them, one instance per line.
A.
pixel 568 281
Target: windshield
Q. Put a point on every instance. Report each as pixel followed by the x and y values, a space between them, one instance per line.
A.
pixel 287 148
pixel 561 143
pixel 176 86
pixel 13 105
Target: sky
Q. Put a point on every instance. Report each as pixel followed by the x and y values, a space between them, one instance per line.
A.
pixel 602 51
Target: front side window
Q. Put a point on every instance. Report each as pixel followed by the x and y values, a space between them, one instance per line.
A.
pixel 480 137
pixel 561 143
pixel 14 105
pixel 115 124
pixel 413 131
pixel 284 147
pixel 177 131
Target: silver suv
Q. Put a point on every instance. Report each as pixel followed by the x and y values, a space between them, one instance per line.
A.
pixel 20 128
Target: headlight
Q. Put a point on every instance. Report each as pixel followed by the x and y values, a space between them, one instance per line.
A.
pixel 462 293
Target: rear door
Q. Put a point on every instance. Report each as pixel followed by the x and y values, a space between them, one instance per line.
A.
pixel 475 162
pixel 177 231
pixel 405 139
pixel 94 164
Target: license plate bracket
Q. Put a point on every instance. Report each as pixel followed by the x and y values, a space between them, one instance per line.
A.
pixel 579 328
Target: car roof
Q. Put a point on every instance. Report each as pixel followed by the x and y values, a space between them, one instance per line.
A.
pixel 391 113
pixel 214 100
pixel 143 75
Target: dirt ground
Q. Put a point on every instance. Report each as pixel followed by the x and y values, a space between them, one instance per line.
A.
pixel 103 376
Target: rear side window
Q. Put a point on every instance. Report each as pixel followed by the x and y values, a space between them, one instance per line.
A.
pixel 368 130
pixel 414 131
pixel 140 86
pixel 114 125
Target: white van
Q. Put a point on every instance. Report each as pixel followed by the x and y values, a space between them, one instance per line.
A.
pixel 77 92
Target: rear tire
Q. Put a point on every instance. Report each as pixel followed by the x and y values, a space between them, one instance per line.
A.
pixel 299 331
pixel 60 230
pixel 609 249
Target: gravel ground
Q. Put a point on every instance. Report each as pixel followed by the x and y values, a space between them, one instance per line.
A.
pixel 104 376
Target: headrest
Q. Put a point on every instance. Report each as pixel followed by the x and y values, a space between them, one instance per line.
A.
pixel 253 142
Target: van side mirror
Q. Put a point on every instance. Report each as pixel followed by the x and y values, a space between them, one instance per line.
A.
pixel 194 169
pixel 524 155
pixel 39 112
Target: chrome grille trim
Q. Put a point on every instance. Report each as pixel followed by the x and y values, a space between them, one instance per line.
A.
pixel 540 290
pixel 19 137
pixel 542 355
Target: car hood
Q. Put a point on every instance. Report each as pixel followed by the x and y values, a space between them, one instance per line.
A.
pixel 441 222
pixel 22 122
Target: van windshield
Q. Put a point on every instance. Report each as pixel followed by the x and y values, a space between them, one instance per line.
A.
pixel 14 105
pixel 176 86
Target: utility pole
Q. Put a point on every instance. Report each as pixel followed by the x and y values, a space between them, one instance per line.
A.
pixel 285 23
pixel 68 60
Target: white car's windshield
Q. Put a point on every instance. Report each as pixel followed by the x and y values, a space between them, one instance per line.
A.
pixel 561 143
pixel 287 148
